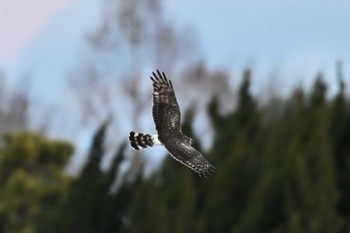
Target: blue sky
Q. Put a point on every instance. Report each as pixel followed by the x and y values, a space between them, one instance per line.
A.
pixel 299 37
pixel 291 40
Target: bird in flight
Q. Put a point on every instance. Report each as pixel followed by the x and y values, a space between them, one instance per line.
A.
pixel 166 115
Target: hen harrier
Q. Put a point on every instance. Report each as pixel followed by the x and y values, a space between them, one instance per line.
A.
pixel 166 115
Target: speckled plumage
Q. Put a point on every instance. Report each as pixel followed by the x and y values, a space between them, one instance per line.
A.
pixel 167 119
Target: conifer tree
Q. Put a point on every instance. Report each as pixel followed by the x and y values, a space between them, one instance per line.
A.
pixel 311 193
pixel 339 132
pixel 87 208
pixel 236 138
pixel 166 202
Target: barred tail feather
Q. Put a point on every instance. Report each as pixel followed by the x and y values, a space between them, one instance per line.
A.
pixel 139 141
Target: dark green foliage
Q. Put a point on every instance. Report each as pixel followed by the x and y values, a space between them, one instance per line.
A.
pixel 90 206
pixel 32 180
pixel 281 167
pixel 236 136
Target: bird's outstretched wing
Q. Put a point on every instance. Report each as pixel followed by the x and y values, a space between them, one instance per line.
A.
pixel 190 157
pixel 165 110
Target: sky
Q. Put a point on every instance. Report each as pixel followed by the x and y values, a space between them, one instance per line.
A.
pixel 44 37
pixel 301 37
pixel 285 42
pixel 19 23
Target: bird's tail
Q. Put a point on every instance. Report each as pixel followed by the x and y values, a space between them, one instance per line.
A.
pixel 139 141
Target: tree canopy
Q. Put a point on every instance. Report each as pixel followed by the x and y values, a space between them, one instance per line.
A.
pixel 282 166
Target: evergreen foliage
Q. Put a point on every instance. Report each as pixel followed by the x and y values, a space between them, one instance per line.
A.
pixel 280 167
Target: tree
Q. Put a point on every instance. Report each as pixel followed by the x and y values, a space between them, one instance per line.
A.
pixel 339 131
pixel 133 35
pixel 32 179
pixel 311 193
pixel 88 207
pixel 236 140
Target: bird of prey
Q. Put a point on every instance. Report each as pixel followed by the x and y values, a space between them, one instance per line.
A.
pixel 166 116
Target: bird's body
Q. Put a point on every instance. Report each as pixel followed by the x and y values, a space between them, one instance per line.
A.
pixel 167 118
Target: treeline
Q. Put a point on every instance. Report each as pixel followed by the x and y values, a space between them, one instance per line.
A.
pixel 280 167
